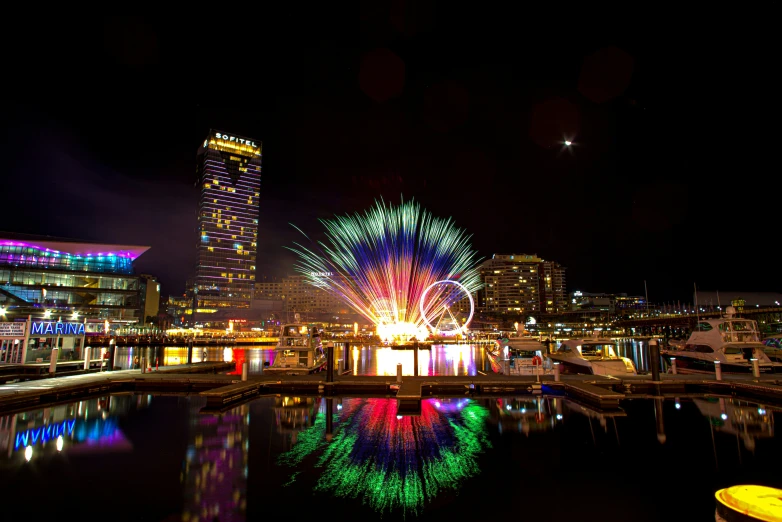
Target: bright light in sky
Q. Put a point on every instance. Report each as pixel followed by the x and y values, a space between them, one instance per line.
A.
pixel 568 143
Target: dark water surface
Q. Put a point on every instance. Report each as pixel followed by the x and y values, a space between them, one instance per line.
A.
pixel 142 457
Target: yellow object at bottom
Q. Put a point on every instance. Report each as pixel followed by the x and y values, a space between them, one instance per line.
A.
pixel 760 502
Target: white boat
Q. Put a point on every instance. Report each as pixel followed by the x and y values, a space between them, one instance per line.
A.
pixel 521 342
pixel 592 356
pixel 299 351
pixel 526 355
pixel 731 340
pixel 773 347
pixel 675 344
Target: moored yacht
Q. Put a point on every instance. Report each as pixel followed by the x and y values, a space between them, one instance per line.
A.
pixel 592 356
pixel 299 351
pixel 773 347
pixel 523 342
pixel 731 340
pixel 526 353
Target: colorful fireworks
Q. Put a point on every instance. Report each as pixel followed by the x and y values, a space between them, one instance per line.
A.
pixel 383 262
pixel 392 463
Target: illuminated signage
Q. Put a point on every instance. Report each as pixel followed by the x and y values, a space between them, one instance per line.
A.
pixel 57 328
pixel 15 330
pixel 321 274
pixel 44 433
pixel 234 138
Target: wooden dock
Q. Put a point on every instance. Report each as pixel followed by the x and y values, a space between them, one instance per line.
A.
pixel 185 378
pixel 222 391
pixel 230 393
pixel 409 397
pixel 593 394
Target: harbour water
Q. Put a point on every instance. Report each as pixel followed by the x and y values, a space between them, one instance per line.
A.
pixel 158 458
pixel 442 359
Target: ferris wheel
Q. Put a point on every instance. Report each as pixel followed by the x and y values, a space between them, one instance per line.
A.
pixel 438 307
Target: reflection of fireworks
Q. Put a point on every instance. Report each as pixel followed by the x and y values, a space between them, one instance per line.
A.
pixel 380 263
pixel 395 463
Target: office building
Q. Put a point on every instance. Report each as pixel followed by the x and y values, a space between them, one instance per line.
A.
pixel 149 288
pixel 300 296
pixel 229 180
pixel 521 283
pixel 606 302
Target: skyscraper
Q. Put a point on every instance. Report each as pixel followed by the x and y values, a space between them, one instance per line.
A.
pixel 229 180
pixel 521 283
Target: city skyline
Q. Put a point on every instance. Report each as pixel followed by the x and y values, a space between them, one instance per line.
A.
pixel 475 131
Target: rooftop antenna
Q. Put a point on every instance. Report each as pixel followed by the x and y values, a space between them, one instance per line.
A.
pixel 646 293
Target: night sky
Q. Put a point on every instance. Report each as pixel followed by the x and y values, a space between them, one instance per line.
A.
pixel 673 177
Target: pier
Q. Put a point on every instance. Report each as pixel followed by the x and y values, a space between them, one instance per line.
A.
pixel 222 390
pixel 184 378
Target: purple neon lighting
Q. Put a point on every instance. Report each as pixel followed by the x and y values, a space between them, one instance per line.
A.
pixel 120 253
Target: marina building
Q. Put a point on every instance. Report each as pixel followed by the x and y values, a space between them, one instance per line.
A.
pixel 53 291
pixel 229 179
pixel 522 283
pixel 41 274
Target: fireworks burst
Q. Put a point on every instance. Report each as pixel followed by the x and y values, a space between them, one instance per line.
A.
pixel 382 262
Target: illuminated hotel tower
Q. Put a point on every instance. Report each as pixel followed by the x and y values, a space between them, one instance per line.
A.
pixel 229 180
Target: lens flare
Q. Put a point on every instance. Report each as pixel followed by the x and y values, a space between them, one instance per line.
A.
pixel 382 261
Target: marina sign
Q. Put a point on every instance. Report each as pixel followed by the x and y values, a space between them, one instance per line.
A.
pixel 57 328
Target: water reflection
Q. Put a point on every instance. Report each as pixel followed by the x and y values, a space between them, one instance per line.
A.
pixel 449 359
pixel 393 463
pixel 293 415
pixel 525 414
pixel 747 421
pixel 215 467
pixel 357 458
pixel 84 427
pixel 529 414
pixel 440 359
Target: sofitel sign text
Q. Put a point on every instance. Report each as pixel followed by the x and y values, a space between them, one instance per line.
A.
pixel 55 328
pixel 234 138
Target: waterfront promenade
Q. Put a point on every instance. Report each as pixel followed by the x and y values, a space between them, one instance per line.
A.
pixel 223 390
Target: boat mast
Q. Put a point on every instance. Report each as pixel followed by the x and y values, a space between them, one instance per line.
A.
pixel 697 313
